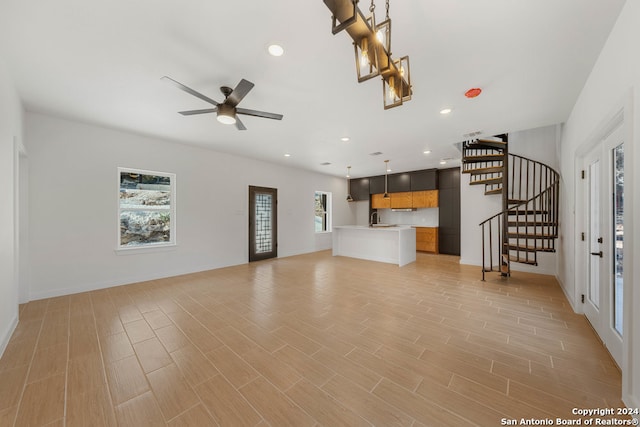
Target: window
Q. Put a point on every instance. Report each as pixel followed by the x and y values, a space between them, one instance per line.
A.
pixel 146 209
pixel 323 212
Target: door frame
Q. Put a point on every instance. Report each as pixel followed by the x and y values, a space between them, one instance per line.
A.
pixel 253 256
pixel 21 216
pixel 620 115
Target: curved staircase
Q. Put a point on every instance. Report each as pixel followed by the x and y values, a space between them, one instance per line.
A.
pixel 528 221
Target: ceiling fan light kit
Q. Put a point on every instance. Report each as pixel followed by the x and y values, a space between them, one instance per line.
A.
pixel 226 111
pixel 226 114
pixel 372 44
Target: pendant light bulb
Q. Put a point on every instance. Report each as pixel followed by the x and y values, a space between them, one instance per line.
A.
pixel 392 89
pixel 364 52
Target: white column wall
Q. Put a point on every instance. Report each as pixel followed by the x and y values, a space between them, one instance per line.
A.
pixel 611 87
pixel 10 135
pixel 73 206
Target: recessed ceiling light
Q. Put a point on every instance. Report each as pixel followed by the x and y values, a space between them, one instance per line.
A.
pixel 345 139
pixel 445 111
pixel 443 162
pixel 287 155
pixel 426 152
pixel 275 50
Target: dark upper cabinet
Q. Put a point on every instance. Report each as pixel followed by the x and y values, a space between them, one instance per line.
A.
pixel 424 180
pixel 360 189
pixel 449 211
pixel 449 178
pixel 399 182
pixel 376 184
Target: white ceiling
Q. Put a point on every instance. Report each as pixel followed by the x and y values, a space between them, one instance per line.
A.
pixel 101 62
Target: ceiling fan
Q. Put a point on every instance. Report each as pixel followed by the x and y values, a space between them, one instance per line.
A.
pixel 226 110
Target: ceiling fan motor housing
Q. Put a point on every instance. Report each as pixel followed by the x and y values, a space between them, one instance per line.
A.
pixel 226 114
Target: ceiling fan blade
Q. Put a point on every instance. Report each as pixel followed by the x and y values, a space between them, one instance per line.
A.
pixel 239 124
pixel 189 90
pixel 239 92
pixel 259 113
pixel 192 112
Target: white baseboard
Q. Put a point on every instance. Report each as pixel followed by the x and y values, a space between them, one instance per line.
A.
pixel 117 282
pixel 570 298
pixel 6 335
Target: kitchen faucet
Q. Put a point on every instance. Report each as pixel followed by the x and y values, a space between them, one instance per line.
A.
pixel 371 219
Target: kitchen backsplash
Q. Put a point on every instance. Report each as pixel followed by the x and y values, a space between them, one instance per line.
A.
pixel 421 217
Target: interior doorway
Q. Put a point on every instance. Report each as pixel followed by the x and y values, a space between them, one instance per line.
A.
pixel 263 223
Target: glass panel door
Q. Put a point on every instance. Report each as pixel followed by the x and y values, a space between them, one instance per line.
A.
pixel 263 236
pixel 618 232
pixel 595 237
pixel 603 249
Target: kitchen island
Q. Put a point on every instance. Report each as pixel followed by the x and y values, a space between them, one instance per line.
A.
pixel 392 244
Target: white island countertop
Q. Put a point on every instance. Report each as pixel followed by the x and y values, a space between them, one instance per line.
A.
pixel 392 244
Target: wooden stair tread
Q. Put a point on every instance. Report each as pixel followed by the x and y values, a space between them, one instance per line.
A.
pixel 525 248
pixel 527 212
pixel 531 224
pixel 483 158
pixel 494 191
pixel 488 143
pixel 516 235
pixel 482 171
pixel 497 180
pixel 515 201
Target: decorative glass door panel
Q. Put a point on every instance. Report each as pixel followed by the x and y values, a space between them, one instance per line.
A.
pixel 263 211
pixel 618 232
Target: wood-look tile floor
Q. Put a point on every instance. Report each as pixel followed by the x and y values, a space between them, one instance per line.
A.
pixel 303 341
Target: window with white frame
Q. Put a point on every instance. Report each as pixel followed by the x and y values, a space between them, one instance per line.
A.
pixel 146 208
pixel 322 211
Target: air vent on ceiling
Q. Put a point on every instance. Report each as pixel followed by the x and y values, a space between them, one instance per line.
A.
pixel 377 153
pixel 472 135
pixel 325 164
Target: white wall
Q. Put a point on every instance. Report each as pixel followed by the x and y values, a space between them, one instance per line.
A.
pixel 10 135
pixel 611 87
pixel 537 144
pixel 73 199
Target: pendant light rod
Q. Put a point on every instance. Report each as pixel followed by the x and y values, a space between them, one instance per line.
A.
pixel 349 198
pixel 386 178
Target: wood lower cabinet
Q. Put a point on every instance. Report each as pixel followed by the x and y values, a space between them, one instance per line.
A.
pixel 427 239
pixel 425 199
pixel 379 202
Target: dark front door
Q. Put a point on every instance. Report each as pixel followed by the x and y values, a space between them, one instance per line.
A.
pixel 263 223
